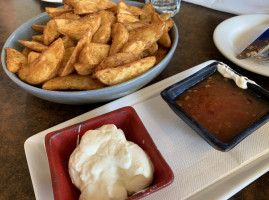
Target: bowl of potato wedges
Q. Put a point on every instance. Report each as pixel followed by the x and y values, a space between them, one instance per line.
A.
pixel 90 51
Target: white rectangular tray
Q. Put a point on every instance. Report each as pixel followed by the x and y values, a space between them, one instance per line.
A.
pixel 227 184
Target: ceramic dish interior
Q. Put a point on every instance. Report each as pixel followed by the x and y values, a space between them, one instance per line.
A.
pixel 25 32
pixel 172 93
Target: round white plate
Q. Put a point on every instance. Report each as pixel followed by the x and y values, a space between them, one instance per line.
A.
pixel 234 34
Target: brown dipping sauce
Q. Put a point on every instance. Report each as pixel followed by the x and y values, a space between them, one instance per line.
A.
pixel 221 107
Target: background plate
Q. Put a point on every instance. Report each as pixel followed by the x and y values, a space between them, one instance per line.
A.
pixel 234 34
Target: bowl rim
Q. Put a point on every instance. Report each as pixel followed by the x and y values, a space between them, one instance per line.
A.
pixel 92 93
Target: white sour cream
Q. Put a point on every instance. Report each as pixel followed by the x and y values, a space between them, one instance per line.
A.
pixel 105 166
pixel 241 81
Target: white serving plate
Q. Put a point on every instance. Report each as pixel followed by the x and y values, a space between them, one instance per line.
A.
pixel 234 34
pixel 226 182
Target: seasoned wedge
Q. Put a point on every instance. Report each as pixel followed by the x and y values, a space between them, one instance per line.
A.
pixel 50 33
pixel 69 67
pixel 32 56
pixel 73 82
pixel 116 60
pixel 45 67
pixel 113 76
pixel 39 28
pixel 120 37
pixel 15 59
pixel 148 34
pixel 35 46
pixel 54 12
pixel 90 56
pixel 76 28
pixel 92 6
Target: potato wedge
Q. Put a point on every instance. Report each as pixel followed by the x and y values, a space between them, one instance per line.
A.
pixel 134 25
pixel 103 34
pixel 68 15
pixel 32 56
pixel 123 8
pixel 117 60
pixel 112 17
pixel 26 51
pixel 70 3
pixel 160 54
pixel 38 38
pixel 113 9
pixel 35 46
pixel 169 24
pixel 107 17
pixel 113 76
pixel 134 10
pixel 50 32
pixel 148 34
pixel 38 28
pixel 68 42
pixel 135 47
pixel 54 12
pixel 90 56
pixel 14 59
pixel 73 82
pixel 151 50
pixel 128 9
pixel 120 37
pixel 165 16
pixel 92 6
pixel 66 6
pixel 76 28
pixel 69 67
pixel 67 54
pixel 164 40
pixel 155 17
pixel 147 11
pixel 126 18
pixel 45 67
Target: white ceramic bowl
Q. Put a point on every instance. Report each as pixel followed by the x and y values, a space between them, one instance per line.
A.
pixel 25 32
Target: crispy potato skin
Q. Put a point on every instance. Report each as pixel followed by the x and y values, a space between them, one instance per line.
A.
pixel 117 75
pixel 14 59
pixel 91 55
pixel 148 34
pixel 73 82
pixel 120 37
pixel 45 67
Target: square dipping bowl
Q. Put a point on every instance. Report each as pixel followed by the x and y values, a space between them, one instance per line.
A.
pixel 60 145
pixel 204 110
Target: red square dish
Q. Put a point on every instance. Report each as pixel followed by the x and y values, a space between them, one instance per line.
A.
pixel 61 143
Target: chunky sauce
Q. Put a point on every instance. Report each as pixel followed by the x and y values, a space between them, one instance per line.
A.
pixel 221 107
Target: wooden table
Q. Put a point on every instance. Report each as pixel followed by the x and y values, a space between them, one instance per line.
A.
pixel 23 115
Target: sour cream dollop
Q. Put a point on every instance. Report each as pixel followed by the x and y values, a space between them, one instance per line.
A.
pixel 106 166
pixel 227 72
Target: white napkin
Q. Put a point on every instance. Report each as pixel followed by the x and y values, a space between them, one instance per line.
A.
pixel 238 7
pixel 195 163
